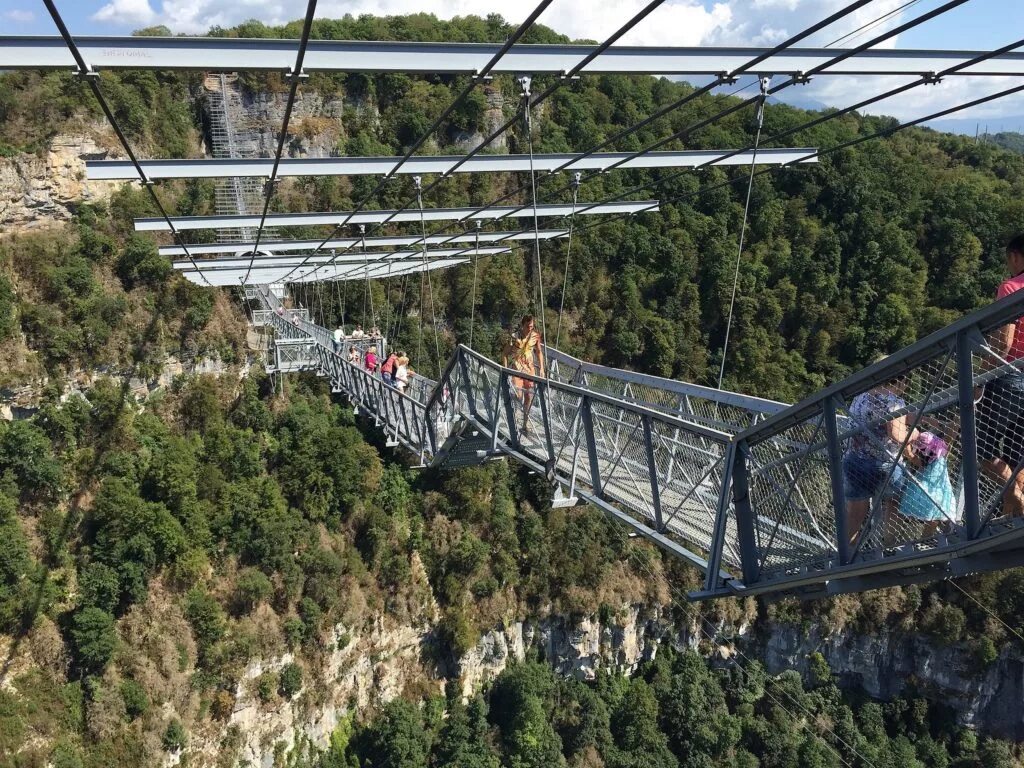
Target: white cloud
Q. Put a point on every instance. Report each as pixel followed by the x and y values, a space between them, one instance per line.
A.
pixel 20 16
pixel 126 12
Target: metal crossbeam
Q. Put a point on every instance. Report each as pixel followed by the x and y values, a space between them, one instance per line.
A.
pixel 233 277
pixel 225 54
pixel 495 213
pixel 352 242
pixel 270 261
pixel 114 170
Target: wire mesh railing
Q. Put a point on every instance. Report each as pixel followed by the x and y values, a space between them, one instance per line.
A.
pixel 905 464
pixel 912 459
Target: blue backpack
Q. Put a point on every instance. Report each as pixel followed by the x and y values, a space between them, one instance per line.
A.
pixel 928 493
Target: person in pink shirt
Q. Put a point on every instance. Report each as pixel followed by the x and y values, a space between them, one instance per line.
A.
pixel 371 359
pixel 1000 415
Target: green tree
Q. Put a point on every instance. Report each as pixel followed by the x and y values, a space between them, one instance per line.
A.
pixel 396 738
pixel 290 680
pixel 94 638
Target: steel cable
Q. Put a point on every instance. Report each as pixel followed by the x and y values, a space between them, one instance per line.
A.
pixel 743 229
pixel 92 78
pixel 481 76
pixel 296 77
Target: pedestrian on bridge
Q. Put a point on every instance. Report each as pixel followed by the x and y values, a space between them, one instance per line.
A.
pixel 874 466
pixel 387 369
pixel 371 360
pixel 402 372
pixel 338 337
pixel 1001 407
pixel 527 356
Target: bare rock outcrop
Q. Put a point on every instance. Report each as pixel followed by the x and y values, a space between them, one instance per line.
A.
pixel 38 191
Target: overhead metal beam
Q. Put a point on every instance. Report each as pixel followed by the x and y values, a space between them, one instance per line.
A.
pixel 273 261
pixel 377 217
pixel 262 275
pixel 225 54
pixel 353 242
pixel 113 170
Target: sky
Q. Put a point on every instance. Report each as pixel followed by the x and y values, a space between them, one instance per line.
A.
pixel 976 25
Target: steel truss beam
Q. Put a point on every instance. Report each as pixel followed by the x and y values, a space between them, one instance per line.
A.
pixel 114 170
pixel 224 54
pixel 353 242
pixel 233 277
pixel 378 217
pixel 271 261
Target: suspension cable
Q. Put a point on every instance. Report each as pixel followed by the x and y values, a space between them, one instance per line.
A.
pixel 765 83
pixel 528 127
pixel 472 300
pixel 296 76
pixel 559 83
pixel 481 76
pixel 568 255
pixel 725 78
pixel 854 34
pixel 418 181
pixel 92 78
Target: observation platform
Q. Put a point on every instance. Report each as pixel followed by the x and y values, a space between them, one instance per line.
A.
pixel 749 491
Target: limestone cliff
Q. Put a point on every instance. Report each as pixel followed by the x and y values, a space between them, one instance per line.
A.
pixel 38 191
pixel 368 667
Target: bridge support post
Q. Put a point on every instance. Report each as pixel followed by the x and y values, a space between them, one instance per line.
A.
pixel 466 385
pixel 587 416
pixel 721 520
pixel 505 394
pixel 968 431
pixel 542 395
pixel 652 471
pixel 744 515
pixel 835 464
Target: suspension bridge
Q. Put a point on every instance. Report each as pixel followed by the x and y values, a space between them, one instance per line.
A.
pixel 749 491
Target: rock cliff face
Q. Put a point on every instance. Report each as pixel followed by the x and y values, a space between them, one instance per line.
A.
pixel 884 665
pixel 23 401
pixel 38 191
pixel 371 668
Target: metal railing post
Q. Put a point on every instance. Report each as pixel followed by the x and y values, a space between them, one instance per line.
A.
pixel 652 471
pixel 835 465
pixel 505 394
pixel 587 418
pixel 542 395
pixel 721 520
pixel 968 432
pixel 749 556
pixel 466 384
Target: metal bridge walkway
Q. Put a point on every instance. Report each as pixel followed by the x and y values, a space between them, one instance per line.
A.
pixel 749 491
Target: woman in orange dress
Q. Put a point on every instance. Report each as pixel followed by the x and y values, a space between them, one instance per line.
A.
pixel 527 357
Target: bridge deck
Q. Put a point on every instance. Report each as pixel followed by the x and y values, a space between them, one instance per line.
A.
pixel 750 491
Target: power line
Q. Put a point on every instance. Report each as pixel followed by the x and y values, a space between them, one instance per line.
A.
pixel 92 78
pixel 988 610
pixel 674 600
pixel 865 27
